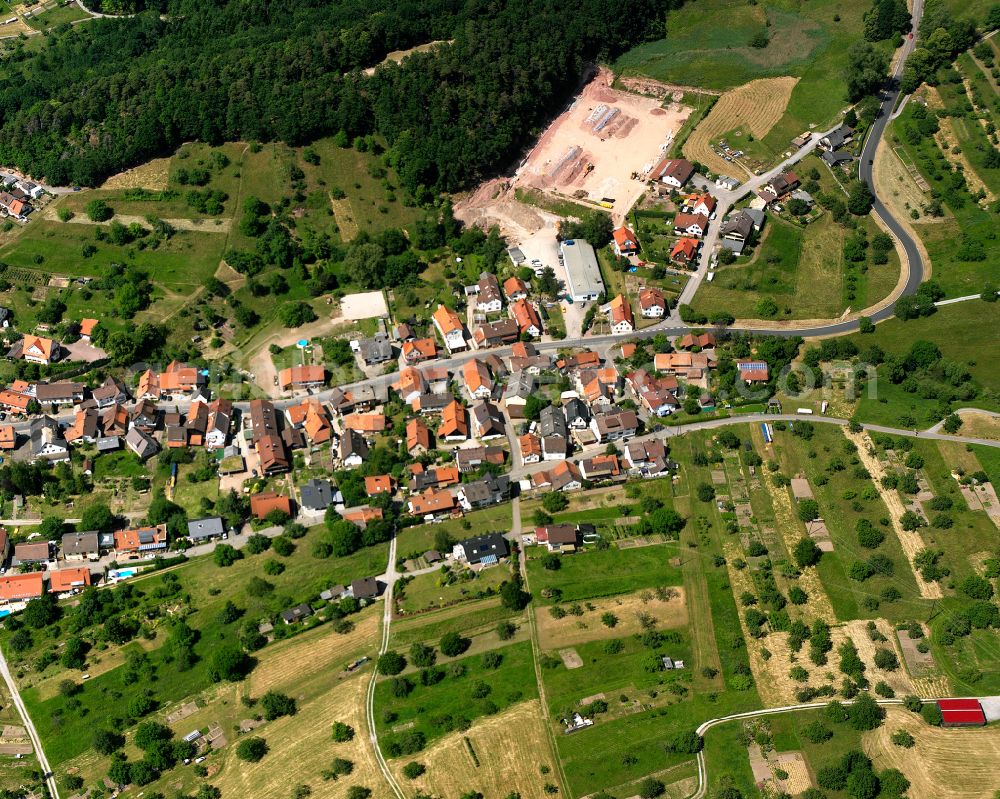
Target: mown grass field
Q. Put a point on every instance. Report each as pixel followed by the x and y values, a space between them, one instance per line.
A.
pixel 957 330
pixel 595 573
pixel 711 48
pixel 787 266
pixel 436 710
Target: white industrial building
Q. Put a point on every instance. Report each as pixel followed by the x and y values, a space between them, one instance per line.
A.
pixel 583 275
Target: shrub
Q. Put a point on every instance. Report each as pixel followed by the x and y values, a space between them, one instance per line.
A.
pixel 342 733
pixel 903 738
pixel 413 769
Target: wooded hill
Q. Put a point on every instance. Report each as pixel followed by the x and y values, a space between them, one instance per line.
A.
pixel 113 93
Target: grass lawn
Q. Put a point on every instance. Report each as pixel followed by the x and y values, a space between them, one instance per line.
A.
pixel 957 331
pixel 843 501
pixel 181 264
pixel 189 495
pixel 57 16
pixel 430 591
pixel 469 618
pixel 435 710
pixel 418 539
pixel 595 573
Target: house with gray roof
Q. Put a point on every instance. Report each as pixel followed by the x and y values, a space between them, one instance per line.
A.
pixel 205 529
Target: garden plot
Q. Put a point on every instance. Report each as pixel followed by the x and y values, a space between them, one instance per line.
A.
pixel 919 664
pixel 570 658
pixel 911 542
pixel 602 145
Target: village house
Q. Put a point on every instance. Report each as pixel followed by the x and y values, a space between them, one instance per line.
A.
pixel 61 393
pixel 564 476
pixel 577 413
pixel 141 443
pixel 87 328
pixel 438 477
pixel 8 437
pixel 138 540
pixel 614 426
pixel 431 504
pixel 520 386
pixel 352 450
pixel 489 490
pixel 419 350
pixel 527 318
pixel 111 392
pixel 652 303
pixel 267 502
pixel 69 581
pixel 379 484
pixel 316 495
pixel 478 381
pixel 30 552
pixel 691 224
pixel 554 433
pixel 619 312
pixel 180 378
pixel 47 442
pixel 685 251
pixel 418 437
pixel 753 371
pixel 454 426
pixel 84 427
pixel 306 376
pixel 450 328
pixel 205 529
pixel 375 350
pixel 81 546
pixel 365 423
pixel 531 448
pixel 648 457
pixel 496 334
pixel 471 459
pixel 778 187
pixel 482 550
pixel 21 587
pixel 266 437
pixel 515 289
pixel 145 416
pixel 557 537
pixel 837 138
pixel 625 242
pixel 220 413
pixel 701 203
pixel 34 349
pixel 196 424
pixel 600 467
pixel 673 172
pixel 488 421
pixel 488 296
pixel 703 341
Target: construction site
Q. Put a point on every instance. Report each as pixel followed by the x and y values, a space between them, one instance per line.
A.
pixel 599 150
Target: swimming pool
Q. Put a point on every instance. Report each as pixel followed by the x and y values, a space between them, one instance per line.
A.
pixel 121 574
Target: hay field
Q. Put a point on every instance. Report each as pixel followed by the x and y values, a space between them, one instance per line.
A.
pixel 289 663
pixel 939 755
pixel 301 748
pixel 510 746
pixel 757 106
pixel 153 175
pixel 554 633
pixel 980 425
